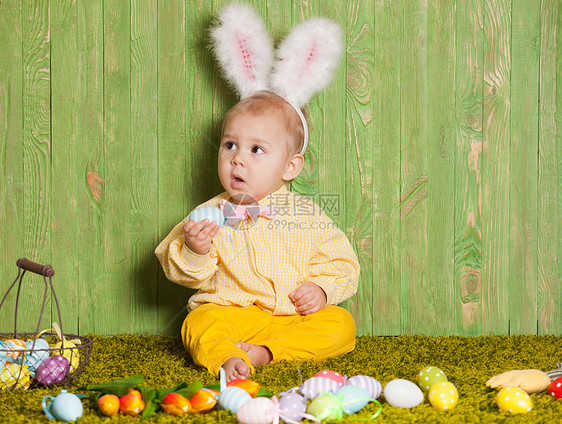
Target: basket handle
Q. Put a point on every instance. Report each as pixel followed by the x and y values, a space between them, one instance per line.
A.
pixel 46 270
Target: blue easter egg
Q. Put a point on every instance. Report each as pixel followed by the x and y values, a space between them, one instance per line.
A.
pixel 211 213
pixel 233 398
pixel 354 398
pixel 37 353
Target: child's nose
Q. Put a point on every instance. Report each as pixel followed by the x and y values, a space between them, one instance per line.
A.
pixel 238 159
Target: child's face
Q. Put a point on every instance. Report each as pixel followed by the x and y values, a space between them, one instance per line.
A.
pixel 254 156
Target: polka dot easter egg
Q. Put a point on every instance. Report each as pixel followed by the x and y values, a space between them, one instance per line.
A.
pixel 292 406
pixel 514 400
pixel 429 376
pixel 443 396
pixel 15 376
pixel 555 388
pixel 324 407
pixel 312 387
pixel 372 385
pixel 53 370
pixel 337 377
pixel 70 352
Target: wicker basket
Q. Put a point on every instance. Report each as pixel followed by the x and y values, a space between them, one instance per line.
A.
pixel 46 358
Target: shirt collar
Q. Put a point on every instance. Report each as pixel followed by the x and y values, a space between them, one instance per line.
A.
pixel 273 198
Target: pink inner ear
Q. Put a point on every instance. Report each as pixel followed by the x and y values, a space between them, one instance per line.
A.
pixel 245 58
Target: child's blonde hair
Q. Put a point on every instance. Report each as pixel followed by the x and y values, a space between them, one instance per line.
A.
pixel 266 101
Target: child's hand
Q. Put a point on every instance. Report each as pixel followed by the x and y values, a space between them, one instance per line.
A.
pixel 199 239
pixel 308 298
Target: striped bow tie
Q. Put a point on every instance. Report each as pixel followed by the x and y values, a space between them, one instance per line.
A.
pixel 235 213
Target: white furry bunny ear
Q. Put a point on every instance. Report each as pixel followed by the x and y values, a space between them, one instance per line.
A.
pixel 307 59
pixel 243 48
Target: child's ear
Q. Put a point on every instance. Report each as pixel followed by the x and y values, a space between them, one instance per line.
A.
pixel 294 167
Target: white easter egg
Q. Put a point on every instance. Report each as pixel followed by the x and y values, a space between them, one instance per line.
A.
pixel 211 213
pixel 233 398
pixel 312 387
pixel 372 385
pixel 260 410
pixel 403 393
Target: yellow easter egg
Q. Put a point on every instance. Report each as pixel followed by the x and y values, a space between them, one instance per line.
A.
pixel 71 354
pixel 514 400
pixel 443 396
pixel 15 376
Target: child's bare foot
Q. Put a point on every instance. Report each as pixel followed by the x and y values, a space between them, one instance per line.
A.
pixel 259 355
pixel 236 368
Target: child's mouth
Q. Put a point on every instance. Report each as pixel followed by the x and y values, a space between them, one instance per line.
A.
pixel 237 182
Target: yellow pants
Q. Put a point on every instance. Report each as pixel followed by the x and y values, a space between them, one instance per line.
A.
pixel 210 333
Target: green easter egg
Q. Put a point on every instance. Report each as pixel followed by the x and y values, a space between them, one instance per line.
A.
pixel 322 405
pixel 429 376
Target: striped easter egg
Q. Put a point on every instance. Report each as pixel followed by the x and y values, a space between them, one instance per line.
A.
pixel 14 376
pixel 15 345
pixel 312 387
pixel 37 353
pixel 260 410
pixel 373 387
pixel 233 398
pixel 211 213
pixel 340 379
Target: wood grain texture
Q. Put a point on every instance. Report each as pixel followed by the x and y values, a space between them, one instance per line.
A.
pixel 11 153
pixel 144 164
pixel 65 98
pixel 523 188
pixel 360 161
pixel 437 141
pixel 37 154
pixel 115 307
pixel 549 296
pixel 468 167
pixel 439 294
pixel 175 45
pixel 496 158
pixel 413 169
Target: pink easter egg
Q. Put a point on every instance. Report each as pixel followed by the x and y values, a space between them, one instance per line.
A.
pixel 373 387
pixel 337 377
pixel 53 370
pixel 260 410
pixel 314 386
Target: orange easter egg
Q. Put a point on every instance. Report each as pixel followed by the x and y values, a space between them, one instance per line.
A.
pixel 204 400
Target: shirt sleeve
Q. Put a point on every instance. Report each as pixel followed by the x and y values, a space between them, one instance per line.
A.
pixel 335 267
pixel 183 266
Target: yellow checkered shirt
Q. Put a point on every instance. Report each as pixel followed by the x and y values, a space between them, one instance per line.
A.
pixel 260 262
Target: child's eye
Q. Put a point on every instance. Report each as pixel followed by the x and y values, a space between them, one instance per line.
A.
pixel 229 145
pixel 257 149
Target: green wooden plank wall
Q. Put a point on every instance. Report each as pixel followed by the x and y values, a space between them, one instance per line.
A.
pixel 439 141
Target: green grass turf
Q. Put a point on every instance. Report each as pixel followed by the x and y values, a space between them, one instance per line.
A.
pixel 467 361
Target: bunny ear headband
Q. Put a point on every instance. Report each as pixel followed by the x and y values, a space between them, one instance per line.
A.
pixel 305 62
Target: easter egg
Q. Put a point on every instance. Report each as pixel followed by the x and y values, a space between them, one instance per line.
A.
pixel 337 377
pixel 429 376
pixel 37 351
pixel 233 398
pixel 53 370
pixel 325 406
pixel 354 398
pixel 252 387
pixel 313 386
pixel 514 400
pixel 204 400
pixel 70 352
pixel 13 347
pixel 291 406
pixel 443 396
pixel 373 387
pixel 555 388
pixel 260 410
pixel 15 376
pixel 211 213
pixel 403 393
